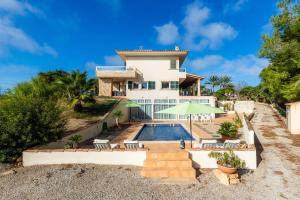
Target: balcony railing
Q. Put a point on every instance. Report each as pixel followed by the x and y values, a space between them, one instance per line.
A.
pixel 110 68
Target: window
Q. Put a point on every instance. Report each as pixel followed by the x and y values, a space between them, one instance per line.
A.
pixel 165 85
pixel 174 85
pixel 135 85
pixel 151 85
pixel 130 85
pixel 173 64
pixel 144 85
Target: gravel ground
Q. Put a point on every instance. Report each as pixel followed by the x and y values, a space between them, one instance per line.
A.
pixel 277 176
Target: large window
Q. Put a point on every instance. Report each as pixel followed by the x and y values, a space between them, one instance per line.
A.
pixel 130 85
pixel 151 85
pixel 165 85
pixel 174 85
pixel 144 85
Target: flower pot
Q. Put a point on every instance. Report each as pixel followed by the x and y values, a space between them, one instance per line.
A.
pixel 228 138
pixel 227 170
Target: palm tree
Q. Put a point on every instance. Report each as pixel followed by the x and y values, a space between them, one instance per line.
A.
pixel 213 81
pixel 225 81
pixel 77 88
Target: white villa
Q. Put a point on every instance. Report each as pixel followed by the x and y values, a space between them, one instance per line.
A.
pixel 153 78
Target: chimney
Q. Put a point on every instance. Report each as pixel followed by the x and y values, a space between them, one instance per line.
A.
pixel 177 48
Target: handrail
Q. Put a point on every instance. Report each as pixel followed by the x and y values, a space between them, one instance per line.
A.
pixel 110 68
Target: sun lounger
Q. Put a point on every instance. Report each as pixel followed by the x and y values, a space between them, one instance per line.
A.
pixel 104 144
pixel 132 144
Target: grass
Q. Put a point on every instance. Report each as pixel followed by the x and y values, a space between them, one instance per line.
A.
pixel 100 108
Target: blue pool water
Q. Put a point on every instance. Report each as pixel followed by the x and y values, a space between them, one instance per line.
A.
pixel 162 132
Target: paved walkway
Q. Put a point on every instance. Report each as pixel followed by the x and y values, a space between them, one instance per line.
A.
pixel 279 170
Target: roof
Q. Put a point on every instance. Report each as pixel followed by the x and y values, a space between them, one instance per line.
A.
pixel 194 76
pixel 124 54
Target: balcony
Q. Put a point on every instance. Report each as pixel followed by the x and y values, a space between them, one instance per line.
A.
pixel 117 72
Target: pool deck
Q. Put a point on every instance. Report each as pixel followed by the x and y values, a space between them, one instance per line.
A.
pixel 203 130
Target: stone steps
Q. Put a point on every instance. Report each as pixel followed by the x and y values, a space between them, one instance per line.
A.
pixel 168 164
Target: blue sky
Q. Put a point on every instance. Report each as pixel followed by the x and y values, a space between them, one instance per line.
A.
pixel 223 36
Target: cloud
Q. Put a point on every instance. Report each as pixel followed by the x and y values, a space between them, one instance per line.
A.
pixel 198 34
pixel 234 7
pixel 247 64
pixel 205 62
pixel 18 7
pixel 113 60
pixel 16 38
pixel 167 34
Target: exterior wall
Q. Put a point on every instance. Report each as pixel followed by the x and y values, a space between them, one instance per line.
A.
pixel 155 69
pixel 244 106
pixel 105 87
pixel 105 158
pixel 91 131
pixel 247 130
pixel 120 157
pixel 293 116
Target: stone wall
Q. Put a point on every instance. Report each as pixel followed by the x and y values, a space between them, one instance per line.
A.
pixel 105 87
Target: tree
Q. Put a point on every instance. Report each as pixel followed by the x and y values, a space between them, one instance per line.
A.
pixel 225 81
pixel 77 88
pixel 213 81
pixel 117 114
pixel 282 48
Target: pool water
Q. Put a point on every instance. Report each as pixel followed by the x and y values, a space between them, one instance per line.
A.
pixel 162 132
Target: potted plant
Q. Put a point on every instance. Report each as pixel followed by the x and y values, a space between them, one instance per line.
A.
pixel 227 162
pixel 75 139
pixel 228 130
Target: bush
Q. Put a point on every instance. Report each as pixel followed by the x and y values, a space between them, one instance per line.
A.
pixel 228 129
pixel 237 121
pixel 27 121
pixel 228 159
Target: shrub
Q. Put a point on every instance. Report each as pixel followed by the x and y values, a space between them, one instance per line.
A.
pixel 27 121
pixel 237 121
pixel 75 139
pixel 228 129
pixel 117 114
pixel 228 159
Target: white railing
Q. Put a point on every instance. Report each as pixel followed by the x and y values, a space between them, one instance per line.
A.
pixel 110 68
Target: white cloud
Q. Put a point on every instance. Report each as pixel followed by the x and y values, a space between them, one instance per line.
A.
pixel 205 62
pixel 113 60
pixel 19 7
pixel 234 7
pixel 199 34
pixel 167 34
pixel 248 64
pixel 13 37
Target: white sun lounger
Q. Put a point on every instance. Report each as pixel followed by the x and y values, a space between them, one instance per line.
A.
pixel 104 144
pixel 132 144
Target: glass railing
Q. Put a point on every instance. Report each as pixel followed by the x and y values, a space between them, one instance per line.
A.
pixel 182 69
pixel 110 68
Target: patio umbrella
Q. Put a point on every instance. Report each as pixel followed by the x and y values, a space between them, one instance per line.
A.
pixel 190 109
pixel 130 104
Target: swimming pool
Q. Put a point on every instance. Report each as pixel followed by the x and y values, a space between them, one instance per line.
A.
pixel 162 132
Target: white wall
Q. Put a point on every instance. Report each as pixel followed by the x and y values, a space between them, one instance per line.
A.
pixel 105 158
pixel 248 131
pixel 155 69
pixel 244 106
pixel 201 159
pixel 293 117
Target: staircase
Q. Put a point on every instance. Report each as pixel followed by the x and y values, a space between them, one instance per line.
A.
pixel 168 164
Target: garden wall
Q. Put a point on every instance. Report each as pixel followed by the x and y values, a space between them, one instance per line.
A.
pixel 123 157
pixel 244 107
pixel 247 130
pixel 91 131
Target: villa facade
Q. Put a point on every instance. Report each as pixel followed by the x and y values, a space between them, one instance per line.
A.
pixel 154 79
